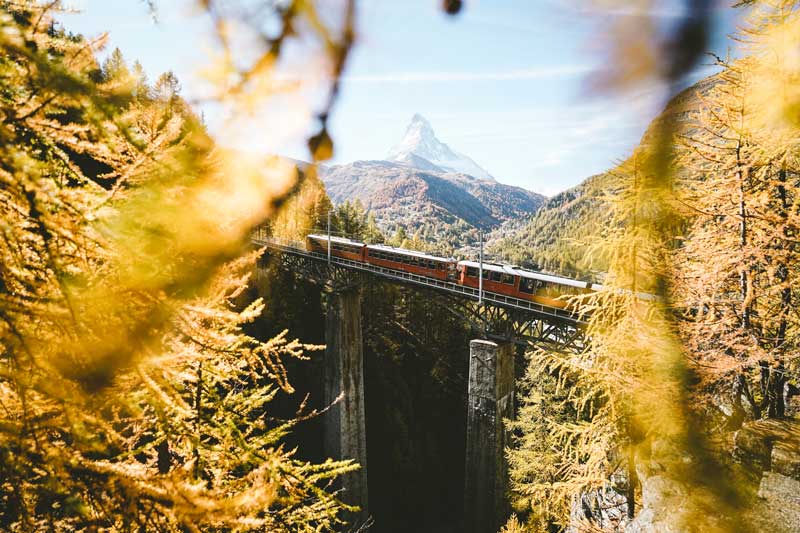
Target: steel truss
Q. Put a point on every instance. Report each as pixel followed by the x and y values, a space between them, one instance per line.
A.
pixel 512 325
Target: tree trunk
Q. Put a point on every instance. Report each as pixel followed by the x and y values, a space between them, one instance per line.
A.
pixel 782 271
pixel 744 275
pixel 772 389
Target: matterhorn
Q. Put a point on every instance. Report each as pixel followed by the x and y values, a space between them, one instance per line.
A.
pixel 421 149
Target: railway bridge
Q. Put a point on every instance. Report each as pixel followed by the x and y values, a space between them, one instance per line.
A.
pixel 500 323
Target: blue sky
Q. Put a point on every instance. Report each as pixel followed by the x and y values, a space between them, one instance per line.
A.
pixel 505 82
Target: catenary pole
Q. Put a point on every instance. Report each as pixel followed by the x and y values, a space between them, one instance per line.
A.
pixel 480 268
pixel 329 236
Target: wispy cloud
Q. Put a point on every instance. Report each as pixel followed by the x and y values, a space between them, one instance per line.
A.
pixel 511 75
pixel 663 9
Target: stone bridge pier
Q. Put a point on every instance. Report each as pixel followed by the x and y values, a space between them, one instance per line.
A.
pixel 490 399
pixel 344 429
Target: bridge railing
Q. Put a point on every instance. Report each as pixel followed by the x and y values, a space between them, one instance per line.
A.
pixel 296 247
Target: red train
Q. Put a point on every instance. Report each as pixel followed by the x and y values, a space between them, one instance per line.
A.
pixel 500 279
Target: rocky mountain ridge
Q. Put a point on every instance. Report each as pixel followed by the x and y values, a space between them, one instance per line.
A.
pixel 420 148
pixel 429 190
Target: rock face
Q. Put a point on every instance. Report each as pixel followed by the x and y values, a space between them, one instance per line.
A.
pixel 605 508
pixel 780 497
pixel 661 496
pixel 770 452
pixel 773 448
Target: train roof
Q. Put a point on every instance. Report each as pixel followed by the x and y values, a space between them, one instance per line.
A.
pixel 514 271
pixel 506 269
pixel 341 240
pixel 403 251
pixel 554 279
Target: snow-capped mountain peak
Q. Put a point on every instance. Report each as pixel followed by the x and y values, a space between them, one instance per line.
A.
pixel 420 142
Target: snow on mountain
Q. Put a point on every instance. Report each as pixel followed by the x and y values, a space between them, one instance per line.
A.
pixel 421 149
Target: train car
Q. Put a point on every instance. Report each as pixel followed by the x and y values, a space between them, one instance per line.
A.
pixel 507 280
pixel 340 247
pixel 500 279
pixel 546 289
pixel 411 261
pixel 523 284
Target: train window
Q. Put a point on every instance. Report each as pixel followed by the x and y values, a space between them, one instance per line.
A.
pixel 472 272
pixel 487 274
pixel 496 276
pixel 508 279
pixel 527 285
pixel 549 289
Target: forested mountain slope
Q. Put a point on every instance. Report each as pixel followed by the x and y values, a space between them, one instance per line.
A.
pixel 558 237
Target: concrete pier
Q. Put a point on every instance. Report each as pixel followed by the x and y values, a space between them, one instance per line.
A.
pixel 344 423
pixel 490 399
